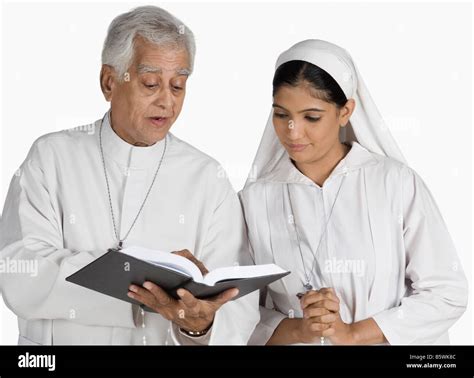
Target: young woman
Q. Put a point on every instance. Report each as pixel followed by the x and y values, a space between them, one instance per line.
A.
pixel 333 202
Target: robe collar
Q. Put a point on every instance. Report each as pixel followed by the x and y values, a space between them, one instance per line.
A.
pixel 285 172
pixel 126 154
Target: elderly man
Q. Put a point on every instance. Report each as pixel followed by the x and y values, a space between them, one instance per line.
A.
pixel 129 182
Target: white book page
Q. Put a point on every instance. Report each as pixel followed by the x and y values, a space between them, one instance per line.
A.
pixel 168 260
pixel 238 272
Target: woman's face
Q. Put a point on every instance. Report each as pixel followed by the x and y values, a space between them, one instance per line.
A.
pixel 306 126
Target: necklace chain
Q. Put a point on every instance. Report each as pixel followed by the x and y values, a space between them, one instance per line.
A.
pixel 108 189
pixel 307 284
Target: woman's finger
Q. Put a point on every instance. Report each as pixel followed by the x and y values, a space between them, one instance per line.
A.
pixel 311 297
pixel 318 327
pixel 331 293
pixel 312 310
pixel 328 332
pixel 328 304
pixel 326 319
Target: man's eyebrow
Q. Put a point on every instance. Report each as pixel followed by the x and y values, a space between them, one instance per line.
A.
pixel 301 111
pixel 144 68
pixel 183 71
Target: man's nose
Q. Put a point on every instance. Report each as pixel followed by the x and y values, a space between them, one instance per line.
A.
pixel 164 98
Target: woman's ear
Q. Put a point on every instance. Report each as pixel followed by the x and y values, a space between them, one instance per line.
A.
pixel 107 77
pixel 346 112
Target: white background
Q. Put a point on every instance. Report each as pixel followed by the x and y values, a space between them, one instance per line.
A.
pixel 415 58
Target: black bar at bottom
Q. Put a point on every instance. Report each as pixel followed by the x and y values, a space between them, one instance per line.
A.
pixel 222 361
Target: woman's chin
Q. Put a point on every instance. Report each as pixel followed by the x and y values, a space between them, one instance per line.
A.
pixel 299 157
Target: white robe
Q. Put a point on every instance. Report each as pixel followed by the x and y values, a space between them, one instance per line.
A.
pixel 57 213
pixel 386 250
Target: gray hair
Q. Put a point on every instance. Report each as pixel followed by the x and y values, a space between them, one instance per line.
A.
pixel 152 23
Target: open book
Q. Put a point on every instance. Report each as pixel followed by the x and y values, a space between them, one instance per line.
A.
pixel 113 272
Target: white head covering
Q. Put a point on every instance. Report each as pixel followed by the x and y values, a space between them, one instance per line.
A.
pixel 366 126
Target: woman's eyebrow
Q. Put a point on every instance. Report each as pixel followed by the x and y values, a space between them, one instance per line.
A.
pixel 311 110
pixel 301 111
pixel 278 106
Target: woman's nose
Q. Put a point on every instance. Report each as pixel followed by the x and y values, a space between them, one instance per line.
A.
pixel 295 131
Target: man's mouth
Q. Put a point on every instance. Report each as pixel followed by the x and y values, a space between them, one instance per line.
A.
pixel 158 121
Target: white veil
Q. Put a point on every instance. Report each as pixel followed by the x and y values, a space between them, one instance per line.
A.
pixel 366 125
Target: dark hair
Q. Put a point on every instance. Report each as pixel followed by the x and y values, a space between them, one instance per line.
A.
pixel 296 72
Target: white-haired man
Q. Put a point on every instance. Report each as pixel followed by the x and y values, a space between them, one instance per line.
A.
pixel 130 182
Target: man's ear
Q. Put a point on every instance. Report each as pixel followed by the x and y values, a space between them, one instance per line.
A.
pixel 346 112
pixel 107 81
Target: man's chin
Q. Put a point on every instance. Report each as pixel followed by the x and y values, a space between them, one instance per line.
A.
pixel 153 136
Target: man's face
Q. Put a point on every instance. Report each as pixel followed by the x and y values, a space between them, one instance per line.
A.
pixel 148 100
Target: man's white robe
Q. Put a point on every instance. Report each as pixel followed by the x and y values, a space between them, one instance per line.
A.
pixel 57 215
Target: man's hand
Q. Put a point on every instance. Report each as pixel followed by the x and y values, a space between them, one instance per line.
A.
pixel 188 312
pixel 190 256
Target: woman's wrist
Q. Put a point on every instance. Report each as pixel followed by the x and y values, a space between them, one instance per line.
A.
pixel 345 334
pixel 287 332
pixel 351 335
pixel 296 336
pixel 364 332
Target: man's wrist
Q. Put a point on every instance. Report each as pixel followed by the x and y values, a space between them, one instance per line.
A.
pixel 196 333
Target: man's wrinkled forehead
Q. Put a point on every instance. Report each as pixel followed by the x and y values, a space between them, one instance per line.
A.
pixel 145 68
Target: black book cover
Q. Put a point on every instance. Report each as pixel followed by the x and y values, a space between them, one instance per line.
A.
pixel 114 272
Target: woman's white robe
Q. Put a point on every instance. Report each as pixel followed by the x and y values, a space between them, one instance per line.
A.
pixel 386 251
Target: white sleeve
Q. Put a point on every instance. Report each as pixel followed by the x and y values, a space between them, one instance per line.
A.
pixel 269 321
pixel 31 236
pixel 438 293
pixel 269 317
pixel 226 244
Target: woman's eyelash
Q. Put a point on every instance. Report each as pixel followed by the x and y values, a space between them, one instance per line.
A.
pixel 308 118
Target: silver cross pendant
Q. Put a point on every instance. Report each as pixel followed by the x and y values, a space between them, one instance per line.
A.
pixel 307 287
